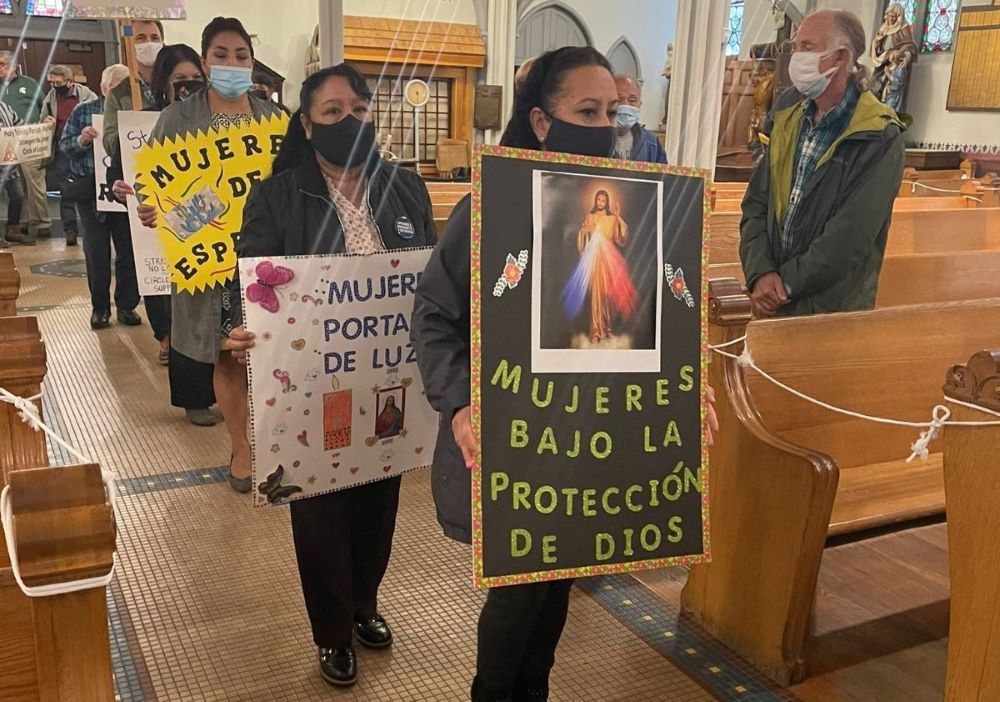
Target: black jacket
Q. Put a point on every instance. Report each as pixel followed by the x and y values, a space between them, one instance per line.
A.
pixel 291 214
pixel 440 333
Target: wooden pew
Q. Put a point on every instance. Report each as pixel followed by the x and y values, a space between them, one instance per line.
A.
pixel 52 649
pixel 972 493
pixel 787 474
pixel 444 197
pixel 10 285
pixel 917 279
pixel 967 229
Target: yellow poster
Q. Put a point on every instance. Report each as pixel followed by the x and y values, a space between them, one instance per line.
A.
pixel 199 183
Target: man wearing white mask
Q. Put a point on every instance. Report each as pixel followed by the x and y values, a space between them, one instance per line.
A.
pixel 817 211
pixel 634 142
pixel 148 42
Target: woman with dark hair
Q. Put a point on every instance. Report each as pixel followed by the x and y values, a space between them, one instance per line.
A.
pixel 201 321
pixel 330 192
pixel 177 74
pixel 568 103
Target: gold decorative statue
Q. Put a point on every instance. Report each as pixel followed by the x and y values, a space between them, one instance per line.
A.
pixel 763 96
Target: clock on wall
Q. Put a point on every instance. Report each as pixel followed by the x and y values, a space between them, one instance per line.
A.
pixel 416 93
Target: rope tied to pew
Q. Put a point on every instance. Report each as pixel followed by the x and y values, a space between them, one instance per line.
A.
pixel 940 415
pixel 916 184
pixel 29 414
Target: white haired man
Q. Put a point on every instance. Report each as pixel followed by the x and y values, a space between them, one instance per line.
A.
pixel 817 210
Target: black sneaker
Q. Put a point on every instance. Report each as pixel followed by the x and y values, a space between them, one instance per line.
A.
pixel 100 319
pixel 373 632
pixel 338 666
pixel 129 318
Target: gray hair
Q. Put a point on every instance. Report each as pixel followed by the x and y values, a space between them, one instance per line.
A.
pixel 6 57
pixel 112 76
pixel 62 71
pixel 850 33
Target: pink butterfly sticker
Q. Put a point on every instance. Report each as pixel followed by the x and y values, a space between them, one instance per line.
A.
pixel 269 277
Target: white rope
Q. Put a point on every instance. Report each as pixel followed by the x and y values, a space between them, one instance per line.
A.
pixel 984 410
pixel 29 415
pixel 915 184
pixel 920 448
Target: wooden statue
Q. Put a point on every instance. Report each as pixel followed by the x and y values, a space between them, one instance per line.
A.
pixel 763 97
pixel 893 52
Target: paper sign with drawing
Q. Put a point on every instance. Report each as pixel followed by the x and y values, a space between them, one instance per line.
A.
pixel 336 399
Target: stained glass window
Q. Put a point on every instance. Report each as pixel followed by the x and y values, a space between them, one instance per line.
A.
pixel 734 29
pixel 45 8
pixel 939 25
pixel 5 7
pixel 909 10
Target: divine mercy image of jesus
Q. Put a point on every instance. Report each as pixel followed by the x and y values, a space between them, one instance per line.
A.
pixel 598 249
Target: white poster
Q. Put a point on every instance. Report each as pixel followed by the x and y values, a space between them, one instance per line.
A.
pixel 29 142
pixel 106 202
pixel 116 9
pixel 336 399
pixel 150 263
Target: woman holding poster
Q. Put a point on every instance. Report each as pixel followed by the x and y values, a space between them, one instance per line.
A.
pixel 201 320
pixel 567 103
pixel 330 192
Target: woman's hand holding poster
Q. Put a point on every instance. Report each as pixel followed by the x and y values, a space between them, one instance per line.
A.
pixel 335 396
pixel 588 361
pixel 199 184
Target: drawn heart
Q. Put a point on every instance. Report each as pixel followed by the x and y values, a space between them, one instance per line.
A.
pixel 271 402
pixel 326 268
pixel 299 344
pixel 293 297
pixel 335 465
pixel 308 395
pixel 386 469
pixel 419 450
pixel 303 438
pixel 363 411
pixel 395 263
pixel 371 441
pixel 407 382
pixel 354 470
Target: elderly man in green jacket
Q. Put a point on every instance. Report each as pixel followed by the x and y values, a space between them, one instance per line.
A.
pixel 817 211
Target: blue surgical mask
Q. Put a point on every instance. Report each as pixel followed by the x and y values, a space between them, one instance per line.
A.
pixel 231 82
pixel 628 116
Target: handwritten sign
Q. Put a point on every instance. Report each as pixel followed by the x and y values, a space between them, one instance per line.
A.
pixel 29 142
pixel 114 9
pixel 588 366
pixel 336 399
pixel 150 261
pixel 199 183
pixel 106 202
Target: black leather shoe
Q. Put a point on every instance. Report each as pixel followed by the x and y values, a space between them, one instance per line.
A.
pixel 338 666
pixel 129 318
pixel 100 319
pixel 373 632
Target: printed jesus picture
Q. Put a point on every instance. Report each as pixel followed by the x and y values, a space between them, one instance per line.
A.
pixel 597 247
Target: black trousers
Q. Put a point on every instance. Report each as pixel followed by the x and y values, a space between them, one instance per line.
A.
pixel 190 382
pixel 342 543
pixel 67 208
pixel 10 182
pixel 519 630
pixel 158 312
pixel 98 233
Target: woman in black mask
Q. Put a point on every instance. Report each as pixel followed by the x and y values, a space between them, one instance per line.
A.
pixel 330 192
pixel 568 103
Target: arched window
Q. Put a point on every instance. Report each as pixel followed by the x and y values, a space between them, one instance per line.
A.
pixel 547 27
pixel 624 60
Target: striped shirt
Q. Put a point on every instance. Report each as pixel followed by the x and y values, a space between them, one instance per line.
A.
pixel 8 118
pixel 814 141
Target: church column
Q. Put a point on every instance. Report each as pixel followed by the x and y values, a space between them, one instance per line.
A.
pixel 695 103
pixel 331 32
pixel 501 31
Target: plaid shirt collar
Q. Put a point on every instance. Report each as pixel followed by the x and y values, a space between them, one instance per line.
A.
pixel 836 119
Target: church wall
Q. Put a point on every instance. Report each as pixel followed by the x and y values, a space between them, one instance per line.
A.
pixel 934 126
pixel 648 25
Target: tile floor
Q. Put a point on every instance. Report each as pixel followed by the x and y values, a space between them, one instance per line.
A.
pixel 206 603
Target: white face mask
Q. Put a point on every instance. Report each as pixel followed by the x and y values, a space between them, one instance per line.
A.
pixel 146 53
pixel 804 71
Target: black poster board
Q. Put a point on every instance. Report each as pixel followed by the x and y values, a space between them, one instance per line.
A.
pixel 588 354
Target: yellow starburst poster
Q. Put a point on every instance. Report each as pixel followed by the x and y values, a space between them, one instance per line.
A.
pixel 199 183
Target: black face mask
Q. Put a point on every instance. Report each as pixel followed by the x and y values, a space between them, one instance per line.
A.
pixel 575 139
pixel 183 89
pixel 347 143
pixel 62 90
